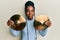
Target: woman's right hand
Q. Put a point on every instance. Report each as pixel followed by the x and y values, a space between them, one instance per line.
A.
pixel 10 22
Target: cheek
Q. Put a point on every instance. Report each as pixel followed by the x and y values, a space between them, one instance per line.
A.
pixel 27 13
pixel 32 14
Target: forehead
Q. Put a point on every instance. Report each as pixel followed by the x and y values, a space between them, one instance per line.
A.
pixel 30 8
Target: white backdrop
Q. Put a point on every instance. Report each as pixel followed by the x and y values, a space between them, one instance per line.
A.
pixel 51 8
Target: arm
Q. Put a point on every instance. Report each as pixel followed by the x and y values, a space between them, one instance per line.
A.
pixel 14 32
pixel 43 32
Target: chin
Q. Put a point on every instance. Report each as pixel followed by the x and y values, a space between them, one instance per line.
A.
pixel 30 18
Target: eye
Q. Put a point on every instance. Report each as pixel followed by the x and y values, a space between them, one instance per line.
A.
pixel 32 11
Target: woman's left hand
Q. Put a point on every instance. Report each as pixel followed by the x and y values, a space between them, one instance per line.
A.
pixel 48 23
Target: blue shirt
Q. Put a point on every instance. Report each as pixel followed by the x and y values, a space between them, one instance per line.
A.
pixel 29 32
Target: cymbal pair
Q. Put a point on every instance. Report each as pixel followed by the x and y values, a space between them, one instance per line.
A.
pixel 20 22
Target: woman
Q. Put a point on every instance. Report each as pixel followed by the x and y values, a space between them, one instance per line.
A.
pixel 29 32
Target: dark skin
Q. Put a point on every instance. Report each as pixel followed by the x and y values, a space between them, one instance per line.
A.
pixel 30 13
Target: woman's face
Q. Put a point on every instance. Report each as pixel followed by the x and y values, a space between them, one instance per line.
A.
pixel 30 12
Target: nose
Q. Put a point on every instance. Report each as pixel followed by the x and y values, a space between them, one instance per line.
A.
pixel 30 13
